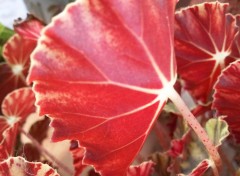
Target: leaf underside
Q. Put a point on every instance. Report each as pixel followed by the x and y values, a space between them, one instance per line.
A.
pixel 104 82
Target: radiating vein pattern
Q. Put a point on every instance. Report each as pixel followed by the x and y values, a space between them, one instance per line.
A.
pixel 105 82
pixel 204 35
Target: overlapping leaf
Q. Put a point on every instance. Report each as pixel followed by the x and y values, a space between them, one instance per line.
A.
pixel 15 107
pixel 17 55
pixel 203 38
pixel 14 166
pixel 29 28
pixel 78 154
pixel 100 71
pixel 227 97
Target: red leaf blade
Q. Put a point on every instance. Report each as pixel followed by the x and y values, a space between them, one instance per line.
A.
pixel 114 76
pixel 227 96
pixel 203 39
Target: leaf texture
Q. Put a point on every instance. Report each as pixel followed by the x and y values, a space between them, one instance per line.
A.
pixel 16 106
pixel 204 35
pixel 227 97
pixel 101 72
pixel 17 56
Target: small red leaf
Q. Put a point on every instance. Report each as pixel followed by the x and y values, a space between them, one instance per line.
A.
pixel 145 169
pixel 29 28
pixel 104 82
pixel 203 39
pixel 177 146
pixel 13 73
pixel 18 104
pixel 78 154
pixel 227 97
pixel 19 166
pixel 7 142
pixel 200 169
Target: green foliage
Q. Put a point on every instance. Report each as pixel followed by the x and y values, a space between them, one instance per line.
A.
pixel 5 34
pixel 217 129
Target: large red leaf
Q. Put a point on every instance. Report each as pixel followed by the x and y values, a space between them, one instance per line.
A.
pixel 227 97
pixel 203 38
pixel 100 72
pixel 14 166
pixel 17 55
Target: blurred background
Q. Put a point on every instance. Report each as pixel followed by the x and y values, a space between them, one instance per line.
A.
pixel 43 9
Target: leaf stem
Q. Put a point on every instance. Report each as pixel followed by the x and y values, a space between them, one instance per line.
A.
pixel 194 124
pixel 48 154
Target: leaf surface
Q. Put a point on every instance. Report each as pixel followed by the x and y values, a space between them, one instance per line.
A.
pixel 203 39
pixel 29 28
pixel 13 73
pixel 16 106
pixel 101 72
pixel 19 166
pixel 227 97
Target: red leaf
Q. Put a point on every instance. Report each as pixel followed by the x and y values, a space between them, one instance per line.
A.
pixel 78 154
pixel 227 97
pixel 19 166
pixel 203 40
pixel 145 169
pixel 100 71
pixel 29 28
pixel 200 169
pixel 177 146
pixel 13 73
pixel 16 107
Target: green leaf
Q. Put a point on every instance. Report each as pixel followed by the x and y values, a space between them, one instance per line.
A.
pixel 5 34
pixel 217 130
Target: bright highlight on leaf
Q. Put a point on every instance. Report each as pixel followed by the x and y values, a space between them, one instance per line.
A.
pixel 217 130
pixel 14 166
pixel 105 82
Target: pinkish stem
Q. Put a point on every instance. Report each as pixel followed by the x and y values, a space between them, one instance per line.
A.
pixel 194 124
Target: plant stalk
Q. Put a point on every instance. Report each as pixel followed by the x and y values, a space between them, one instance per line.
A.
pixel 198 129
